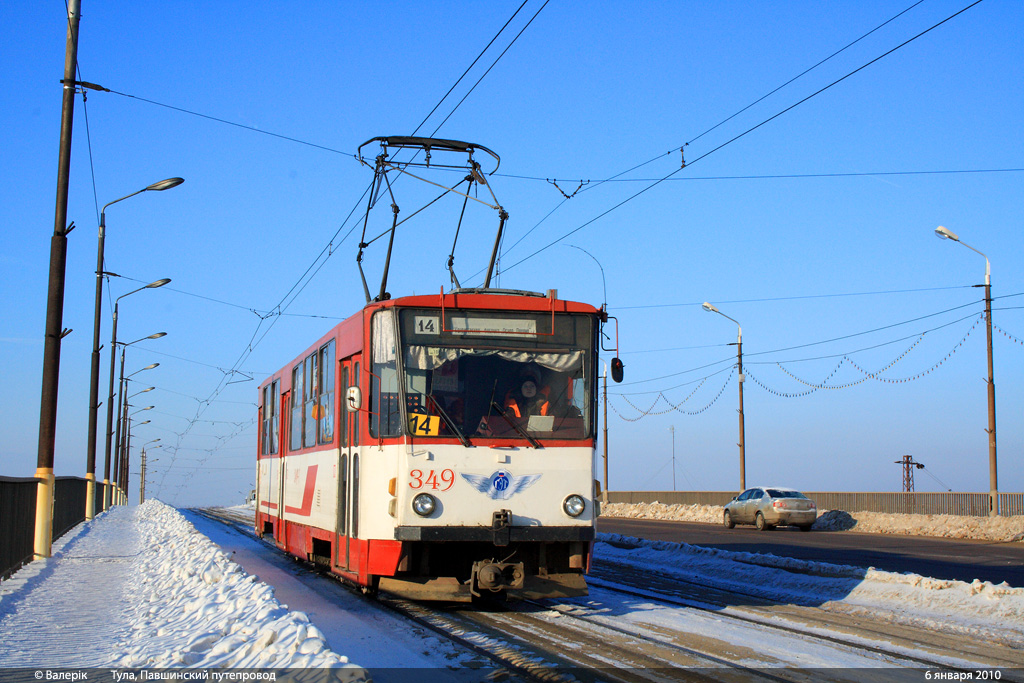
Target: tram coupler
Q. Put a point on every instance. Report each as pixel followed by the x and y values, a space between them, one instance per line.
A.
pixel 492 576
pixel 501 527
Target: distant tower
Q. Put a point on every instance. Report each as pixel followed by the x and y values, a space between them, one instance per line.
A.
pixel 908 472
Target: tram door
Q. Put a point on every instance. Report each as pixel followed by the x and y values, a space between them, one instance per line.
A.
pixel 348 468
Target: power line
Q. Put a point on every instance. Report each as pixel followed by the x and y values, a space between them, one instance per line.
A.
pixel 492 66
pixel 470 67
pixel 617 176
pixel 231 123
pixel 741 135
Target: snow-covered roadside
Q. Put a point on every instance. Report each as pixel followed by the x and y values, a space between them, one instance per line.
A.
pixel 980 609
pixel 150 591
pixel 949 526
pixel 193 606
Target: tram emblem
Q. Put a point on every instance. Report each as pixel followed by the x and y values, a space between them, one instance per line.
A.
pixel 501 485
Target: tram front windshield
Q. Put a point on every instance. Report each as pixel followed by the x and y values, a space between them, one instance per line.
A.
pixel 510 375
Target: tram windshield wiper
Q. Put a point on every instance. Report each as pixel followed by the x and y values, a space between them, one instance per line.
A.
pixel 522 432
pixel 449 421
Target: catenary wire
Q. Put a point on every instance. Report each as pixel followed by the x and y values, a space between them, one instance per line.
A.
pixel 741 135
pixel 468 68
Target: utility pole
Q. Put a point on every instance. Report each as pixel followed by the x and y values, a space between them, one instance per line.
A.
pixel 55 299
pixel 673 430
pixel 142 478
pixel 605 439
pixel 993 476
pixel 908 472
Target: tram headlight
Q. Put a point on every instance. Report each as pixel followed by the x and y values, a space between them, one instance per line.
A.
pixel 574 505
pixel 424 504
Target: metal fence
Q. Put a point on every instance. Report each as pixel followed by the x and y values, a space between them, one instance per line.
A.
pixel 964 504
pixel 18 515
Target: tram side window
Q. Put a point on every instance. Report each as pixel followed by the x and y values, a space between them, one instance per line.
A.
pixel 298 397
pixel 385 413
pixel 325 406
pixel 312 392
pixel 313 400
pixel 271 392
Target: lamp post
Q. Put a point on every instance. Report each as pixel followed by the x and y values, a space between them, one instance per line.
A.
pixel 43 536
pixel 739 364
pixel 110 397
pixel 123 479
pixel 142 475
pixel 94 377
pixel 993 478
pixel 122 403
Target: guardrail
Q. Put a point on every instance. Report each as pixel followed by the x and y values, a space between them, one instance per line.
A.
pixel 963 504
pixel 18 515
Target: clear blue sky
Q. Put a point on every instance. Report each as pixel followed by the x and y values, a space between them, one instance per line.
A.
pixel 816 226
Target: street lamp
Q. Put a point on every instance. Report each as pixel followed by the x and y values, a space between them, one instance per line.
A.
pixel 94 377
pixel 123 479
pixel 739 364
pixel 121 400
pixel 142 475
pixel 110 397
pixel 993 479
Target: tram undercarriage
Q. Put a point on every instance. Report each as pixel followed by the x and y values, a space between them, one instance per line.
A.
pixel 459 571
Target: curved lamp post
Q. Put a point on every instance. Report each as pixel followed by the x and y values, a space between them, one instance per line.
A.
pixel 123 480
pixel 94 377
pixel 142 474
pixel 993 478
pixel 739 364
pixel 122 403
pixel 110 397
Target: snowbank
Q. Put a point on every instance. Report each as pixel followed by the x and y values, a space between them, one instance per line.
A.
pixel 193 606
pixel 950 526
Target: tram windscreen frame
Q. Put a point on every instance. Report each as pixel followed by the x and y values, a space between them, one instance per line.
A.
pixel 464 378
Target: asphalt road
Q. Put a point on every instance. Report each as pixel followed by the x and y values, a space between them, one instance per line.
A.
pixel 940 558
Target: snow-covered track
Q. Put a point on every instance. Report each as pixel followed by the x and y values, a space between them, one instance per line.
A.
pixel 638 623
pixel 839 625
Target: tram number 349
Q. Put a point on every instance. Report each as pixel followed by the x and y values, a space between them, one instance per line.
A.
pixel 443 481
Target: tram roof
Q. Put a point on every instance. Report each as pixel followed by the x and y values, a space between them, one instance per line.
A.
pixel 492 299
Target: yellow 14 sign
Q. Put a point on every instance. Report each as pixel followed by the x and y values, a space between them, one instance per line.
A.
pixel 424 425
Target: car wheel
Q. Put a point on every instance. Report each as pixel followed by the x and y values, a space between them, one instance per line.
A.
pixel 760 523
pixel 727 520
pixel 805 527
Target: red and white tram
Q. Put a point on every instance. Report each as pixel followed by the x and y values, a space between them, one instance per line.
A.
pixel 395 451
pixel 439 447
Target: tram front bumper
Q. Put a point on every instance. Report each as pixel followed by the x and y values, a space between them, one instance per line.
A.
pixel 485 534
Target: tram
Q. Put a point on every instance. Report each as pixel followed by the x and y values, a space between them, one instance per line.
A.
pixel 439 447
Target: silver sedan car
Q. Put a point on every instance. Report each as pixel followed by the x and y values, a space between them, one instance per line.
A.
pixel 769 506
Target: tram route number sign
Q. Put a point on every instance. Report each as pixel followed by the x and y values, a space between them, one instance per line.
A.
pixel 424 425
pixel 473 325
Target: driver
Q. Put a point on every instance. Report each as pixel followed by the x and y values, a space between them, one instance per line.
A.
pixel 528 396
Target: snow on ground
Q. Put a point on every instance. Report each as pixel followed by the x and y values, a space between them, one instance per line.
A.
pixel 979 608
pixel 141 587
pixel 147 590
pixel 949 526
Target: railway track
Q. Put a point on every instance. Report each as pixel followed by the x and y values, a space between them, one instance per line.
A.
pixel 732 637
pixel 835 623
